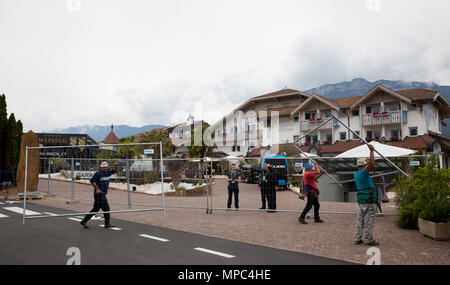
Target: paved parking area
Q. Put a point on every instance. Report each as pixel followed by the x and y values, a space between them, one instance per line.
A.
pixel 333 239
pixel 47 241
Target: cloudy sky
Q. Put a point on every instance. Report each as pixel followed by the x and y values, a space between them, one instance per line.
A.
pixel 73 62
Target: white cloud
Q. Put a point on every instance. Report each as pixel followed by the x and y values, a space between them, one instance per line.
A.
pixel 156 62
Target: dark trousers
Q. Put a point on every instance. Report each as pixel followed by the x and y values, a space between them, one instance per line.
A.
pixel 271 198
pixel 100 202
pixel 313 200
pixel 233 189
pixel 263 197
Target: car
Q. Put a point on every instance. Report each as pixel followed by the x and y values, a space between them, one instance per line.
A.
pixel 250 173
pixel 279 164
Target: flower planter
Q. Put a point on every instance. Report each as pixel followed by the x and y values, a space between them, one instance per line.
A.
pixel 437 231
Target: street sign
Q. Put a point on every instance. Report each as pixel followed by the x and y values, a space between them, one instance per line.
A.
pixel 149 151
pixel 414 163
pixel 298 164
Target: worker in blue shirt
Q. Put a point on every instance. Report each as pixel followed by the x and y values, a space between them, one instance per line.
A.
pixel 367 199
pixel 100 182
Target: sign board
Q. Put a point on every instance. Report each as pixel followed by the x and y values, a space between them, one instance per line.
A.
pixel 298 164
pixel 414 163
pixel 149 151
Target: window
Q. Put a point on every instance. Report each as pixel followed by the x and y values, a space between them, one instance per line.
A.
pixel 355 112
pixel 315 138
pixel 310 116
pixel 238 148
pixel 413 131
pixel 295 119
pixel 285 105
pixel 342 136
pixel 377 135
pixel 341 114
pixel 269 107
pixel 326 114
pixel 329 137
pixel 308 139
pixel 296 138
pixel 373 109
pixel 354 136
pixel 412 107
pixel 395 134
pixel 394 107
pixel 370 134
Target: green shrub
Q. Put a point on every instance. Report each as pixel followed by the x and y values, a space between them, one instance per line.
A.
pixel 408 217
pixel 425 194
pixel 294 183
pixel 180 188
pixel 149 178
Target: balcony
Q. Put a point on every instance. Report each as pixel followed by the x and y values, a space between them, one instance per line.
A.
pixel 308 125
pixel 382 118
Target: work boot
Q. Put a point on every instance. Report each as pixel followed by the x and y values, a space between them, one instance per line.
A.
pixel 358 242
pixel 318 220
pixel 302 220
pixel 373 242
pixel 83 223
pixel 109 226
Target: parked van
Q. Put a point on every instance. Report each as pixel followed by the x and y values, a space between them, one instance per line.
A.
pixel 279 164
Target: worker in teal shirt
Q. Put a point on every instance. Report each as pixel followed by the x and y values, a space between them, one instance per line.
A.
pixel 367 199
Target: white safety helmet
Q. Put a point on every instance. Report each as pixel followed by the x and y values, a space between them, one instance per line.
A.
pixel 104 164
pixel 361 162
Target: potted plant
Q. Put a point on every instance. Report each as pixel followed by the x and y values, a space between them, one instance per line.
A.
pixel 327 142
pixel 424 201
pixel 307 143
pixel 369 139
pixel 395 138
pixel 433 202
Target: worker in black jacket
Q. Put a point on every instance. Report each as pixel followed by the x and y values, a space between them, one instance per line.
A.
pixel 269 185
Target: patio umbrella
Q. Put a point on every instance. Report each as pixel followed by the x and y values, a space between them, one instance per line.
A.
pixel 384 149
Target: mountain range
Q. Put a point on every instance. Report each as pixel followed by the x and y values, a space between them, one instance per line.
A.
pixel 355 87
pixel 98 133
pixel 360 86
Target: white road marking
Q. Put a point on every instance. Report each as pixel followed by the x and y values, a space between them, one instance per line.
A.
pixel 1 203
pixel 20 211
pixel 3 216
pixel 214 252
pixel 155 238
pixel 74 219
pixel 50 214
pixel 115 228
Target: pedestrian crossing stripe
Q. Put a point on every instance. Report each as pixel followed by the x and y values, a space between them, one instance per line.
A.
pixel 20 211
pixel 3 216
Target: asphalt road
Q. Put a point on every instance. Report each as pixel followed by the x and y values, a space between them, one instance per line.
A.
pixel 47 240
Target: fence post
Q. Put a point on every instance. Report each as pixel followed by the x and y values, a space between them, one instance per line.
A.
pixel 72 184
pixel 162 177
pixel 25 186
pixel 207 188
pixel 211 191
pixel 49 177
pixel 128 182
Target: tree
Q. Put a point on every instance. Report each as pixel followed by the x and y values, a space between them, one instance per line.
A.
pixel 202 150
pixel 10 138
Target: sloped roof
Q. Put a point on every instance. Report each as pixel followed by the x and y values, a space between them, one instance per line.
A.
pixel 111 138
pixel 346 102
pixel 417 93
pixel 276 93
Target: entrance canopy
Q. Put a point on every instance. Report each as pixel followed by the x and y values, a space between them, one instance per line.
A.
pixel 386 150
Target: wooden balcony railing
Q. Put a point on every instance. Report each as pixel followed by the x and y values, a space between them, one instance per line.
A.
pixel 381 118
pixel 308 125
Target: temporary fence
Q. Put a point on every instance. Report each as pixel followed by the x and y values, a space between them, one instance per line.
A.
pixel 68 169
pixel 146 181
